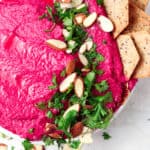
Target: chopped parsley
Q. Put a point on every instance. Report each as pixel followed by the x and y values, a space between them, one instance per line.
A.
pixel 41 105
pixel 76 33
pixel 54 81
pixel 64 123
pixel 75 144
pixel 27 145
pixel 12 148
pixel 63 73
pixel 106 136
pixel 94 58
pixel 102 86
pixel 50 13
pixel 49 114
pixel 100 2
pixel 31 130
pixel 48 141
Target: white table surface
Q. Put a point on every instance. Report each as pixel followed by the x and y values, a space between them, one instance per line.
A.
pixel 131 129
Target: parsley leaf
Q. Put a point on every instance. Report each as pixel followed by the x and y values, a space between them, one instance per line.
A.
pixel 31 130
pixel 102 86
pixel 12 148
pixel 27 145
pixel 48 141
pixel 41 105
pixel 63 73
pixel 106 136
pixel 49 11
pixel 95 120
pixel 105 98
pixel 54 81
pixel 94 57
pixel 64 123
pixel 67 21
pixel 100 2
pixel 75 144
pixel 58 97
pixel 49 114
pixel 89 80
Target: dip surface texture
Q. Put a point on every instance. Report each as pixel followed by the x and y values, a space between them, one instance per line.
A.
pixel 27 64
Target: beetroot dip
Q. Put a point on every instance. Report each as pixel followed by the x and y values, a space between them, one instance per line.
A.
pixel 27 64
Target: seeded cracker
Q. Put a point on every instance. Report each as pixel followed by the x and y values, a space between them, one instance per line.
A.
pixel 142 40
pixel 118 12
pixel 140 3
pixel 139 20
pixel 128 53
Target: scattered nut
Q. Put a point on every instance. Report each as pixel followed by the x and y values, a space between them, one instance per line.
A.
pixel 57 44
pixel 83 59
pixel 77 129
pixel 89 20
pixel 105 24
pixel 79 87
pixel 65 84
pixel 70 68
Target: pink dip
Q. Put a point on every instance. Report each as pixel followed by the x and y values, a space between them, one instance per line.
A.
pixel 27 64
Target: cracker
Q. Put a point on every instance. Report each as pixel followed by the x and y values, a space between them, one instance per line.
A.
pixel 140 3
pixel 142 41
pixel 118 12
pixel 139 20
pixel 128 53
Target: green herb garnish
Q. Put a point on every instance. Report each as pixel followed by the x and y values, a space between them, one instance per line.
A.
pixel 54 81
pixel 106 136
pixel 89 80
pixel 49 114
pixel 31 130
pixel 27 145
pixel 63 73
pixel 102 86
pixel 41 105
pixel 65 122
pixel 49 11
pixel 75 144
pixel 48 141
pixel 100 2
pixel 12 148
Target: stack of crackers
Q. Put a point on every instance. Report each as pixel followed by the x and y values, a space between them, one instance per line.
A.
pixel 132 32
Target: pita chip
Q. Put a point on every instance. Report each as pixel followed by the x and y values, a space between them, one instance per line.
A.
pixel 129 54
pixel 139 20
pixel 118 12
pixel 142 41
pixel 140 3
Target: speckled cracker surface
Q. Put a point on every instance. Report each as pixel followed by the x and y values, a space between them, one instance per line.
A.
pixel 140 3
pixel 118 12
pixel 139 20
pixel 142 40
pixel 128 53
